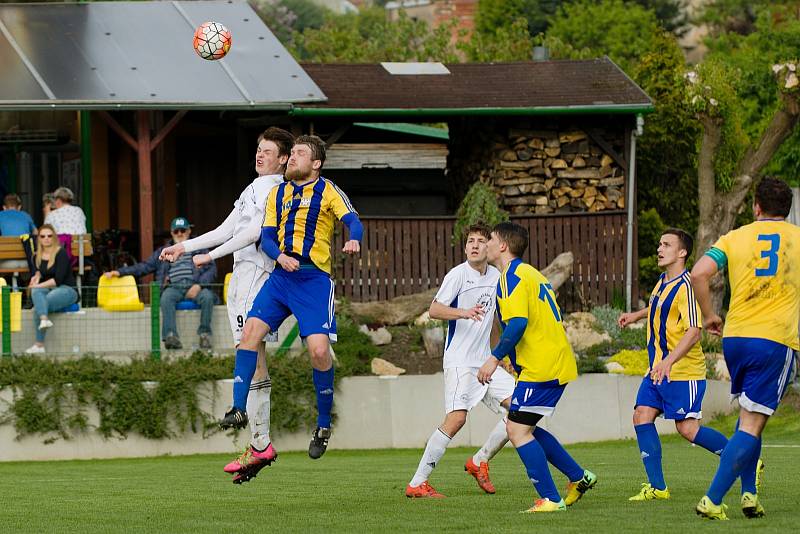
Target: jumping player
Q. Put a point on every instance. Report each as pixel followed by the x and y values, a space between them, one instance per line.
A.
pixel 673 335
pixel 239 234
pixel 760 340
pixel 466 300
pixel 298 226
pixel 536 342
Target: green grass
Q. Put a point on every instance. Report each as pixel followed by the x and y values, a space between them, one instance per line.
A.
pixel 362 491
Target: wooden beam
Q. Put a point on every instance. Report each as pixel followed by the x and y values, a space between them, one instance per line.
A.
pixel 606 146
pixel 114 125
pixel 173 122
pixel 145 184
pixel 335 136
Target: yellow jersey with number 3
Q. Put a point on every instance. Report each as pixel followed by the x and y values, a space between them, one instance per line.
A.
pixel 763 261
pixel 543 354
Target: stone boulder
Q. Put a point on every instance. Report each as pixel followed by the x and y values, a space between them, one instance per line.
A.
pixel 381 367
pixel 381 336
pixel 433 338
pixel 614 367
pixel 582 331
pixel 399 310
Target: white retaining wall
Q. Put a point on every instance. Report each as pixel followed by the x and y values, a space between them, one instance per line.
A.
pixel 379 412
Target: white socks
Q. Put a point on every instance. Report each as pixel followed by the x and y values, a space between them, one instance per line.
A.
pixel 496 441
pixel 434 450
pixel 258 406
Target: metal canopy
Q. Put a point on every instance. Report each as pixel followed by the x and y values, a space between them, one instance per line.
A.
pixel 139 55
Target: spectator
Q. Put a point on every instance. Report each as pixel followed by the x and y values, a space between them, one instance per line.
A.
pixel 179 280
pixel 66 218
pixel 52 286
pixel 48 204
pixel 14 222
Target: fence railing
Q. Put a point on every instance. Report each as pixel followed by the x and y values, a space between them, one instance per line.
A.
pixel 402 256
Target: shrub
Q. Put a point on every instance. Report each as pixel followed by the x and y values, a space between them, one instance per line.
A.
pixel 634 362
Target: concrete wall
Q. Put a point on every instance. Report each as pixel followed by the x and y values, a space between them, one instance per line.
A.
pixel 94 330
pixel 377 412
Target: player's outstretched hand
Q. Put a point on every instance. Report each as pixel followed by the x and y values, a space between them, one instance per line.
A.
pixel 352 247
pixel 288 263
pixel 625 319
pixel 487 370
pixel 475 313
pixel 172 253
pixel 713 324
pixel 201 259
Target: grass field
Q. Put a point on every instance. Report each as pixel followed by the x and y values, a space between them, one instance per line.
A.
pixel 362 491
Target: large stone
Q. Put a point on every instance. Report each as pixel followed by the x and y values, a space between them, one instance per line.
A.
pixel 433 338
pixel 399 310
pixel 423 319
pixel 614 367
pixel 559 270
pixel 381 367
pixel 582 332
pixel 381 336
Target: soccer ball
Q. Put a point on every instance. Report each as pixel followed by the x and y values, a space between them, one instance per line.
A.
pixel 212 40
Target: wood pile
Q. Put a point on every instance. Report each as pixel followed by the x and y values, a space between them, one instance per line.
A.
pixel 548 171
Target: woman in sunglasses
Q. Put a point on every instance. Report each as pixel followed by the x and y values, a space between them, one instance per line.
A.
pixel 52 286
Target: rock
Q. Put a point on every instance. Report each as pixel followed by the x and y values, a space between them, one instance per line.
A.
pixel 581 333
pixel 399 310
pixel 559 270
pixel 381 336
pixel 381 367
pixel 720 368
pixel 433 338
pixel 638 325
pixel 423 319
pixel 611 367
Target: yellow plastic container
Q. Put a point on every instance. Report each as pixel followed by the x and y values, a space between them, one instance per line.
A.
pixel 16 310
pixel 118 294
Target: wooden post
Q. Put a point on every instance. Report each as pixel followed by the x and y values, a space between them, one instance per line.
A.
pixel 145 184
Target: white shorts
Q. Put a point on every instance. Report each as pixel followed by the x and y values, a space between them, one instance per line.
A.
pixel 245 283
pixel 462 391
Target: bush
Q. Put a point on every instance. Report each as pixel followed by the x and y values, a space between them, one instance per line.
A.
pixel 479 204
pixel 634 362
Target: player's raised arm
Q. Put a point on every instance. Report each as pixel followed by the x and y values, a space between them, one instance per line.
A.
pixel 631 317
pixel 345 212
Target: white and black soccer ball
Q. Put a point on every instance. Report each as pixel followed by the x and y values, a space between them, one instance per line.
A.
pixel 212 40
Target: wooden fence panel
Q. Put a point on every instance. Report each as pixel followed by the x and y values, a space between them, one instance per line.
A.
pixel 402 256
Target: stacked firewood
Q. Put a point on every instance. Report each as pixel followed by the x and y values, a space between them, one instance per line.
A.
pixel 547 171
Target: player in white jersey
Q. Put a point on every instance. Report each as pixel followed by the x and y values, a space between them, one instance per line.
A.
pixel 239 234
pixel 466 300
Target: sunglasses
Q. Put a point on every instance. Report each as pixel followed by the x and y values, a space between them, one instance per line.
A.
pixel 179 231
pixel 43 236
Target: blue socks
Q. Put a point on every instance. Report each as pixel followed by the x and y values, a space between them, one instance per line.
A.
pixel 710 439
pixel 650 449
pixel 323 386
pixel 749 473
pixel 557 455
pixel 243 371
pixel 742 450
pixel 535 461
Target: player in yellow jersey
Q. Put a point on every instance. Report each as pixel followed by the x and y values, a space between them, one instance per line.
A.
pixel 298 227
pixel 676 379
pixel 535 341
pixel 760 336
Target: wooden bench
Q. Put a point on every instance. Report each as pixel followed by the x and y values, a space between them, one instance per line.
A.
pixel 12 258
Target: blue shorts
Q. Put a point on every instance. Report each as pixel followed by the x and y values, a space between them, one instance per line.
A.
pixel 678 400
pixel 761 371
pixel 536 397
pixel 307 294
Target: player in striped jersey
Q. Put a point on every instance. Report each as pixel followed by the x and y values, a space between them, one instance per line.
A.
pixel 297 232
pixel 675 382
pixel 760 340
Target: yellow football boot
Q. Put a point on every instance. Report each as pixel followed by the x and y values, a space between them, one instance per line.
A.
pixel 546 505
pixel 751 507
pixel 709 510
pixel 575 490
pixel 649 493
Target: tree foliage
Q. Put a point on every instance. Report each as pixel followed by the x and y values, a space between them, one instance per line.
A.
pixel 479 205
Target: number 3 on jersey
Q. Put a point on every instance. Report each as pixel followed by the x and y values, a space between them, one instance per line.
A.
pixel 771 254
pixel 546 293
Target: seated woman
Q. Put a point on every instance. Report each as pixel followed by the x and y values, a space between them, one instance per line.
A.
pixel 52 286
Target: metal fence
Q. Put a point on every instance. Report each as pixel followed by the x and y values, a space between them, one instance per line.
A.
pixel 130 325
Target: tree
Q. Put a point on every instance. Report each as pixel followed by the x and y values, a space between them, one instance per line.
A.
pixel 623 31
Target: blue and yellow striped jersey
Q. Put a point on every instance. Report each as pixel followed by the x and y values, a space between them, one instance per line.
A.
pixel 763 260
pixel 543 354
pixel 672 311
pixel 304 217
